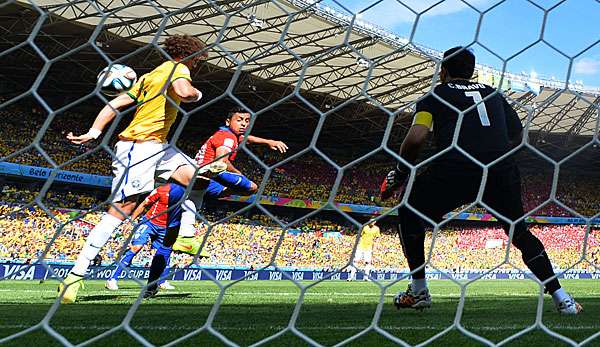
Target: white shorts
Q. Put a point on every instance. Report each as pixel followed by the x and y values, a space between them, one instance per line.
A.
pixel 171 161
pixel 365 255
pixel 134 166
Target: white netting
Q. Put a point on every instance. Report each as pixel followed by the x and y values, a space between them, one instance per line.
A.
pixel 322 59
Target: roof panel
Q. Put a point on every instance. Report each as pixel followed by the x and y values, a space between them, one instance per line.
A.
pixel 400 73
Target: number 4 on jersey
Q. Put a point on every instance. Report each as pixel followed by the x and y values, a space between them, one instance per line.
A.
pixel 483 116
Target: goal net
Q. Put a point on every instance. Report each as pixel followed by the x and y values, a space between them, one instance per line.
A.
pixel 338 81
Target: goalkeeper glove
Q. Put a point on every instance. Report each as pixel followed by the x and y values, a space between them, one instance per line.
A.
pixel 394 180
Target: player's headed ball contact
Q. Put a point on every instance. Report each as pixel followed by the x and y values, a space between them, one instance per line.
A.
pixel 116 79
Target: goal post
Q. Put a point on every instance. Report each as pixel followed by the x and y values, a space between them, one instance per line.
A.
pixel 322 57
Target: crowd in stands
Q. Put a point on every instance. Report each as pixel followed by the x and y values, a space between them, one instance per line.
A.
pixel 256 240
pixel 247 242
pixel 308 177
pixel 311 178
pixel 21 126
pixel 54 198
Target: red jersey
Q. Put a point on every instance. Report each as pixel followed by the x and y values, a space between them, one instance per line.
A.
pixel 160 199
pixel 223 137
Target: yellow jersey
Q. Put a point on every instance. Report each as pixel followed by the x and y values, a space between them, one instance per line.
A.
pixel 155 114
pixel 367 237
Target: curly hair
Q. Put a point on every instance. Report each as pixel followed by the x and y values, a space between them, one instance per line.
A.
pixel 183 46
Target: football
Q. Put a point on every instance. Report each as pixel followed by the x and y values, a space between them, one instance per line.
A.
pixel 116 79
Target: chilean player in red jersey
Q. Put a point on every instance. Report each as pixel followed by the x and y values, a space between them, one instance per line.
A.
pixel 222 146
pixel 154 226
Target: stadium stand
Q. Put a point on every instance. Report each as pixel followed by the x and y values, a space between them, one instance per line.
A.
pixel 359 186
pixel 54 31
pixel 21 127
pixel 320 244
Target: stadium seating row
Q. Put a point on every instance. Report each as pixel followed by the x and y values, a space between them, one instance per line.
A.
pixel 318 244
pixel 359 185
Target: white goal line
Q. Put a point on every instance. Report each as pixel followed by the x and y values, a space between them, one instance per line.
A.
pixel 228 293
pixel 281 327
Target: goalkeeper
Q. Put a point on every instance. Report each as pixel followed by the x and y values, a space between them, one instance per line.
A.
pixel 489 129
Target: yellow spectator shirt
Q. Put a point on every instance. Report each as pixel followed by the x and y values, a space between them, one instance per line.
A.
pixel 367 237
pixel 155 114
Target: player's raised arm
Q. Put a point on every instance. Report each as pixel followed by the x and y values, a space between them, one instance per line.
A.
pixel 151 199
pixel 188 52
pixel 185 91
pixel 106 115
pixel 273 144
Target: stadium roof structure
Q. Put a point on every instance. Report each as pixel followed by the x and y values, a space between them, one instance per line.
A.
pixel 263 51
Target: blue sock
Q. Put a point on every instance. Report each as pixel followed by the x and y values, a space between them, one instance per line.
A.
pixel 159 263
pixel 125 261
pixel 166 272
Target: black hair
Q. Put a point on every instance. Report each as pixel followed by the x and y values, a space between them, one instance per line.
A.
pixel 461 64
pixel 368 221
pixel 234 110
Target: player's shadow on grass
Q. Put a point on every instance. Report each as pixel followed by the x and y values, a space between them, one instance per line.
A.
pixel 171 296
pixel 113 297
pixel 102 297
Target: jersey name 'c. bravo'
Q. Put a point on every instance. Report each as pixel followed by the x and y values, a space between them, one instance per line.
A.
pixel 486 128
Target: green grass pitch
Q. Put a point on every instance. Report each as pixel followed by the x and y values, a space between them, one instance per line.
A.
pixel 331 313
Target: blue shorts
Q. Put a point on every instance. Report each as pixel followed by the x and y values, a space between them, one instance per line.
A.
pixel 149 231
pixel 229 180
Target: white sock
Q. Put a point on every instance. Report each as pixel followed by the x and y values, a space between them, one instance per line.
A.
pixel 418 284
pixel 188 218
pixel 94 243
pixel 559 295
pixel 352 274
